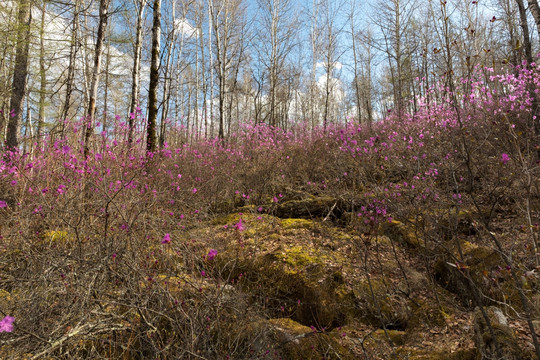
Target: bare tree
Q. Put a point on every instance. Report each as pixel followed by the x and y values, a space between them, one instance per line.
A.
pixel 100 39
pixel 275 38
pixel 140 6
pixel 535 11
pixel 227 19
pixel 394 18
pixel 73 50
pixel 42 70
pixel 20 74
pixel 330 51
pixel 525 29
pixel 154 79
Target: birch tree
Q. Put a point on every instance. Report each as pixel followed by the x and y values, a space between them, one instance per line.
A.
pixel 140 6
pixel 276 40
pixel 100 39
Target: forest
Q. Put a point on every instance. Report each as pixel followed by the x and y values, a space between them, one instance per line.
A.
pixel 270 179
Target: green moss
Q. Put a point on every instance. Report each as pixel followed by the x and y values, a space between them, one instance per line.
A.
pixel 288 224
pixel 301 342
pixel 306 208
pixel 427 313
pixel 379 306
pixel 397 337
pixel 290 326
pixel 415 354
pixel 503 335
pixel 400 233
pixel 298 256
pixel 57 236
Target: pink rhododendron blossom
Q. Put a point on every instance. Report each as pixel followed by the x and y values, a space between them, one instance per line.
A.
pixel 505 158
pixel 3 204
pixel 239 226
pixel 211 254
pixel 166 239
pixel 6 324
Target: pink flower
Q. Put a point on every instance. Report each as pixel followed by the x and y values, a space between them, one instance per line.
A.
pixel 6 324
pixel 505 158
pixel 194 190
pixel 239 226
pixel 166 239
pixel 3 204
pixel 211 254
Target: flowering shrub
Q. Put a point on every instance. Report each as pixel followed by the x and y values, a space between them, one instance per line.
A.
pixel 108 273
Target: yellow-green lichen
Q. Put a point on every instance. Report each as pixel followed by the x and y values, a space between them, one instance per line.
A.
pixel 298 256
pixel 288 224
pixel 53 236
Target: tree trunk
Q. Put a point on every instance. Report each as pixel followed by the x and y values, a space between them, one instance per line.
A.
pixel 154 79
pixel 71 68
pixel 102 27
pixel 525 29
pixel 42 73
pixel 135 76
pixel 20 78
pixel 106 92
pixel 535 11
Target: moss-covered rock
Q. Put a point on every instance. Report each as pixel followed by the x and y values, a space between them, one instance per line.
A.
pixel 309 208
pixel 400 233
pixel 481 272
pixel 296 341
pixel 290 224
pixel 415 354
pixel 494 340
pixel 380 307
pixel 294 281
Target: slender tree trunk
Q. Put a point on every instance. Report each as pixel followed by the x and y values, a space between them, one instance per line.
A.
pixel 356 73
pixel 106 93
pixel 90 114
pixel 167 78
pixel 525 28
pixel 20 74
pixel 535 11
pixel 314 53
pixel 203 74
pixel 221 57
pixel 135 76
pixel 154 79
pixel 42 73
pixel 532 90
pixel 211 60
pixel 166 91
pixel 71 68
pixel 327 95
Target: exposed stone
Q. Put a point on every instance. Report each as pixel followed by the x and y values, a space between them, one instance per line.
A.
pixel 494 340
pixel 311 207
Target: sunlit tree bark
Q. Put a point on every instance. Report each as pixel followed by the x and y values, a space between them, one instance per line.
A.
pixel 100 39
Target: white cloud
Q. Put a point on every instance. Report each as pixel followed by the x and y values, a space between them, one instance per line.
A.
pixel 337 65
pixel 184 27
